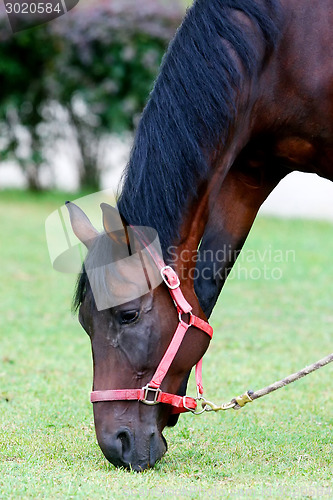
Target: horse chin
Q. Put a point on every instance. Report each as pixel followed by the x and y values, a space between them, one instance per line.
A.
pixel 173 419
pixel 131 450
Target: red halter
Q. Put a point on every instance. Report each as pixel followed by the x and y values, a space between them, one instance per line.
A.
pixel 151 394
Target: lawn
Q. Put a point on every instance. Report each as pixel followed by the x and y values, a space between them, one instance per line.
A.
pixel 273 317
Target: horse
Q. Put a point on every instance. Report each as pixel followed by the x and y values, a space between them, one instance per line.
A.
pixel 244 96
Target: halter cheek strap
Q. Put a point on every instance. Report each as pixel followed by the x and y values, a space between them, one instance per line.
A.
pixel 151 394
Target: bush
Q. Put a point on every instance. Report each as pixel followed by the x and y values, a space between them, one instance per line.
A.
pixel 26 59
pixel 110 57
pixel 98 62
pixel 111 54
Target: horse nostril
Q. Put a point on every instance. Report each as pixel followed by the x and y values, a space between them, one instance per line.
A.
pixel 124 449
pixel 126 440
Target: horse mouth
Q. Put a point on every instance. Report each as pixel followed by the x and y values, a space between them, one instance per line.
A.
pixel 131 451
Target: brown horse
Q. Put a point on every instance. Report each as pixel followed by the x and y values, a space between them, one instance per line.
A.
pixel 244 96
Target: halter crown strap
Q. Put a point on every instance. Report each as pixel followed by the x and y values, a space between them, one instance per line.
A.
pixel 171 280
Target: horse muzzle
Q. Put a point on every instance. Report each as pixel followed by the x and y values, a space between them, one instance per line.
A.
pixel 133 449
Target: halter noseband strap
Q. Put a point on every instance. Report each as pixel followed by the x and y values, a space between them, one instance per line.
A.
pixel 151 394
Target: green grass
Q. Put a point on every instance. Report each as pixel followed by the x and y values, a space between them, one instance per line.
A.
pixel 278 447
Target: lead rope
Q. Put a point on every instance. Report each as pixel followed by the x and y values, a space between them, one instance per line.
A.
pixel 250 396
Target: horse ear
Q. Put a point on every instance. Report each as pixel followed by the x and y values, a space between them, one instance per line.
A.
pixel 114 225
pixel 81 225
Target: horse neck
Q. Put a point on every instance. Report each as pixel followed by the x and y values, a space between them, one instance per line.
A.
pixel 203 202
pixel 220 183
pixel 184 251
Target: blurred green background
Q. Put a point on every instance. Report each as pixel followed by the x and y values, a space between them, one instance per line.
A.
pixel 68 84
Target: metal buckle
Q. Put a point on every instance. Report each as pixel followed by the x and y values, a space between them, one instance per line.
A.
pixel 180 314
pixel 194 411
pixel 150 402
pixel 172 287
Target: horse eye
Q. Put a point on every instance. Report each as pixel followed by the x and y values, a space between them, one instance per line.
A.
pixel 127 317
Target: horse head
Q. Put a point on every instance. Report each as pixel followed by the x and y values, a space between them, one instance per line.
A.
pixel 130 316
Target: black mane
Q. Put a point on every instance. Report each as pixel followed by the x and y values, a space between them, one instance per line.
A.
pixel 189 112
pixel 191 108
